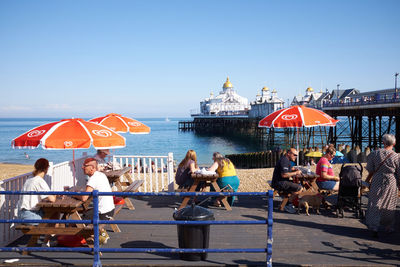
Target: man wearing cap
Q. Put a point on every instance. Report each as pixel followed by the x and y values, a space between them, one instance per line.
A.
pixel 97 181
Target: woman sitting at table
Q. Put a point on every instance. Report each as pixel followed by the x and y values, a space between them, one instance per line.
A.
pixel 187 166
pixel 227 175
pixel 27 209
pixel 327 179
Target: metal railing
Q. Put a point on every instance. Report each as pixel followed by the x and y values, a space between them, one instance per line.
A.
pixel 96 249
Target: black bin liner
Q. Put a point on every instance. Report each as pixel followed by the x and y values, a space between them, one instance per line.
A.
pixel 193 236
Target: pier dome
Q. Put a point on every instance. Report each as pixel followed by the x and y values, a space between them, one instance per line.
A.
pixel 227 84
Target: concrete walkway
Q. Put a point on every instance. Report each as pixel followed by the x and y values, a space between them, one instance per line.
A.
pixel 299 240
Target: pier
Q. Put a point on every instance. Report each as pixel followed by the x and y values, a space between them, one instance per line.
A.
pixel 367 121
pixel 364 119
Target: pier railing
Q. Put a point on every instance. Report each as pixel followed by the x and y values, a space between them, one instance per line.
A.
pixel 97 250
pixel 156 171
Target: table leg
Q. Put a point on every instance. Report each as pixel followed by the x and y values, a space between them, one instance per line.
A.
pixel 224 199
pixel 75 216
pixel 129 204
pixel 31 243
pixel 118 185
pixel 186 199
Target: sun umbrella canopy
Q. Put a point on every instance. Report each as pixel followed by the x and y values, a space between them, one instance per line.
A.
pixel 122 124
pixel 69 134
pixel 296 117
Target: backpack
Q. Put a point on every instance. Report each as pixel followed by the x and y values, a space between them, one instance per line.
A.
pixel 181 176
pixel 351 175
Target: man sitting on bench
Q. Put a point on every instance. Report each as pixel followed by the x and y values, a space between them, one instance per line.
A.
pixel 98 181
pixel 280 180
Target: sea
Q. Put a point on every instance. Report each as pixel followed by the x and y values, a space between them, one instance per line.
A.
pixel 164 137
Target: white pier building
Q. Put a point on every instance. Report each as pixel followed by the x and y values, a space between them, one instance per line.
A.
pixel 227 103
pixel 265 104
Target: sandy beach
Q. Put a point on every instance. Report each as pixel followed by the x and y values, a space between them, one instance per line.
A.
pixel 251 180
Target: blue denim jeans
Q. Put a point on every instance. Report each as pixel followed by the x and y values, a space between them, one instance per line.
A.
pixel 30 215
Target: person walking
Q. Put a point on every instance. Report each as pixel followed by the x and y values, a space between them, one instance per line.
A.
pixel 383 166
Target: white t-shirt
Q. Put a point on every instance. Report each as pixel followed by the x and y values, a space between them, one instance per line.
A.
pixel 36 184
pixel 98 181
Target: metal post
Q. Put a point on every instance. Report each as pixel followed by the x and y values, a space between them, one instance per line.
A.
pixel 270 239
pixel 338 93
pixel 395 86
pixel 96 259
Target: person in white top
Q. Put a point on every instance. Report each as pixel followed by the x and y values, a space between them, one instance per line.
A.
pixel 100 157
pixel 27 209
pixel 98 181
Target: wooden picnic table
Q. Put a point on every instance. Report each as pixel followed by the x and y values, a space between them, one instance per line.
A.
pixel 115 175
pixel 64 207
pixel 208 180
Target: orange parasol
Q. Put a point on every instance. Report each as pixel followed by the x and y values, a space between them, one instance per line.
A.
pixel 69 134
pixel 122 124
pixel 297 117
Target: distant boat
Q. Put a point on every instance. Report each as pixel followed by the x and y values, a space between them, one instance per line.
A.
pixel 166 119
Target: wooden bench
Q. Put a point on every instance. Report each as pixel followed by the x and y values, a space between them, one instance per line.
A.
pixel 285 196
pixel 133 187
pixel 37 230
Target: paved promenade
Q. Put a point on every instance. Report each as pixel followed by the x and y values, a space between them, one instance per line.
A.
pixel 299 240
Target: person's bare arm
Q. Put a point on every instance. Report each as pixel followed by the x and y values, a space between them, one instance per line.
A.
pixel 51 198
pixel 324 175
pixel 287 175
pixel 84 198
pixel 213 167
pixel 193 168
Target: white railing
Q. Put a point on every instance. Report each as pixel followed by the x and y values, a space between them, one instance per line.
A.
pixel 8 204
pixel 156 171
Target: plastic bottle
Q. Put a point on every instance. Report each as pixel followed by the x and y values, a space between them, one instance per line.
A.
pixel 308 168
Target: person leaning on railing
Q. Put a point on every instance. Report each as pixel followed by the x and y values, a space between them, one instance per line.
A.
pixel 27 209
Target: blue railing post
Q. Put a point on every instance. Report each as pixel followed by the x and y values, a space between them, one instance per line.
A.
pixel 96 260
pixel 270 195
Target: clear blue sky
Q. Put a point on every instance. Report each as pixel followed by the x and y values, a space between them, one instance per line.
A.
pixel 160 58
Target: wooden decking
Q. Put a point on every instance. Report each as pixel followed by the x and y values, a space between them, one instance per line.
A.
pixel 298 239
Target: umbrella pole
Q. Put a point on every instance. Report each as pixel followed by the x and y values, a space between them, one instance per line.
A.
pixel 297 146
pixel 73 165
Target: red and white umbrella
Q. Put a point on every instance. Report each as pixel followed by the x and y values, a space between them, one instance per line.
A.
pixel 297 117
pixel 70 134
pixel 122 124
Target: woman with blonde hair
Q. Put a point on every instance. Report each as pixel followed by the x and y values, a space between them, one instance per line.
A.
pixel 187 166
pixel 227 175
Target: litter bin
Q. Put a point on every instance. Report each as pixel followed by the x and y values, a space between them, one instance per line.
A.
pixel 193 236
